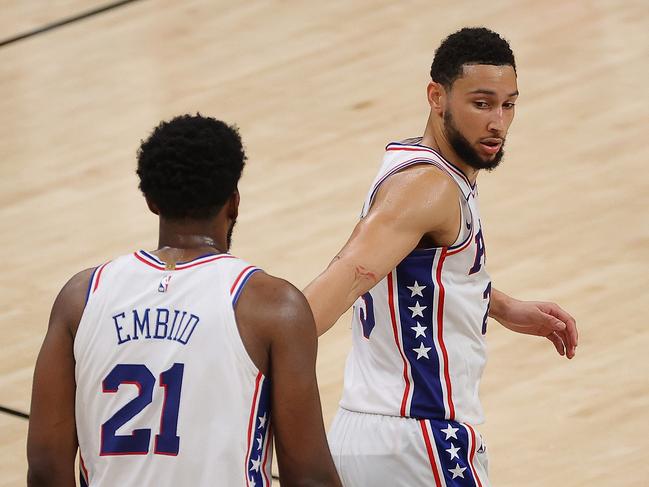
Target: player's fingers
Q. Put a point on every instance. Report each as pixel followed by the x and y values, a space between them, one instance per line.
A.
pixel 571 329
pixel 571 324
pixel 558 343
pixel 570 352
pixel 552 324
pixel 571 348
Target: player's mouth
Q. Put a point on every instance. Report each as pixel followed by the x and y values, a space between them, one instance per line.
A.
pixel 491 145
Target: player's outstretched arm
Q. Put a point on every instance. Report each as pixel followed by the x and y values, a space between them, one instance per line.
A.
pixel 415 202
pixel 282 319
pixel 536 318
pixel 52 436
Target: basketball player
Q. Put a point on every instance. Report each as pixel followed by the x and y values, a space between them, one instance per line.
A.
pixel 415 268
pixel 166 367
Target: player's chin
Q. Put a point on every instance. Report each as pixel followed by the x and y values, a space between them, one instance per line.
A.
pixel 491 161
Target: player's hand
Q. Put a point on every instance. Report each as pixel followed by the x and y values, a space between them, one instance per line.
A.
pixel 543 319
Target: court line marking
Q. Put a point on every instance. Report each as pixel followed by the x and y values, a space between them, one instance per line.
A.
pixel 20 414
pixel 14 412
pixel 63 22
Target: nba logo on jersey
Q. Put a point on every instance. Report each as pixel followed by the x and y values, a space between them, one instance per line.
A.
pixel 164 284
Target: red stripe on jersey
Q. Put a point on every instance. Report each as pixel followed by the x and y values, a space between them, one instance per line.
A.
pixel 396 340
pixel 429 449
pixel 98 277
pixel 84 470
pixel 250 423
pixel 464 246
pixel 155 266
pixel 187 266
pixel 472 454
pixel 440 334
pixel 181 267
pixel 239 278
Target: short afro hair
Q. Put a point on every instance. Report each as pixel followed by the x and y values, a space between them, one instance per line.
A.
pixel 190 165
pixel 470 45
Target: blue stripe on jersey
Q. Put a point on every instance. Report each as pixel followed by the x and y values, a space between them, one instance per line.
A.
pixel 451 435
pixel 152 257
pixel 92 278
pixel 242 284
pixel 82 480
pixel 211 254
pixel 261 440
pixel 417 331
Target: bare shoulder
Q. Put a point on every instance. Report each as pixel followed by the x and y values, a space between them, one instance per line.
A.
pixel 418 186
pixel 76 288
pixel 272 314
pixel 418 192
pixel 78 284
pixel 276 299
pixel 70 302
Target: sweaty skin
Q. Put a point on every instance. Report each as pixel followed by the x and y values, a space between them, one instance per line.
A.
pixel 420 204
pixel 276 327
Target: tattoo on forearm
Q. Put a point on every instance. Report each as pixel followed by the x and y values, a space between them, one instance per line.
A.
pixel 362 273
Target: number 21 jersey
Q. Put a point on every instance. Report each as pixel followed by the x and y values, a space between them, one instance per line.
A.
pixel 166 392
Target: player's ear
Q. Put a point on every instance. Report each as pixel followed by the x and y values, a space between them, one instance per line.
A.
pixel 152 206
pixel 436 97
pixel 233 205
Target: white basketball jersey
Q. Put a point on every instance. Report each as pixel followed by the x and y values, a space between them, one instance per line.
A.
pixel 418 335
pixel 166 392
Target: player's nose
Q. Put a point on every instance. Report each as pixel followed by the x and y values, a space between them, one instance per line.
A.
pixel 496 123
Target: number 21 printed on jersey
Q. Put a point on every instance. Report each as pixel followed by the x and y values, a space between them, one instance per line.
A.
pixel 138 442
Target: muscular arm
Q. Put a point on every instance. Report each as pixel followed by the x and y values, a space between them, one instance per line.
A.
pixel 411 204
pixel 536 318
pixel 52 436
pixel 279 317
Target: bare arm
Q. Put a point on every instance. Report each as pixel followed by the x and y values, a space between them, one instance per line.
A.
pixel 283 321
pixel 415 202
pixel 52 437
pixel 536 318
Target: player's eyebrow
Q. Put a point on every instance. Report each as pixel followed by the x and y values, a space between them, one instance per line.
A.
pixel 482 91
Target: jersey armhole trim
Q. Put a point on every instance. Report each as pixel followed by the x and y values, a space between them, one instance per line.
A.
pixel 93 284
pixel 470 226
pixel 84 478
pixel 240 282
pixel 401 146
pixel 405 165
pixel 92 278
pixel 398 168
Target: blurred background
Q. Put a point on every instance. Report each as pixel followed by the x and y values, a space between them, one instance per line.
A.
pixel 317 90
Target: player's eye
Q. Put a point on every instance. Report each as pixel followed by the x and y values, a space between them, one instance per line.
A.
pixel 509 105
pixel 480 104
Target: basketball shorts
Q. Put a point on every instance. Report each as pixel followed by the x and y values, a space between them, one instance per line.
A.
pixel 376 450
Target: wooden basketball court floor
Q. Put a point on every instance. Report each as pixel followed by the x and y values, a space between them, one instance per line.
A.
pixel 317 89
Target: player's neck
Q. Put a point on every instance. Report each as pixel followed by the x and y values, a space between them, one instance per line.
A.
pixel 435 138
pixel 180 241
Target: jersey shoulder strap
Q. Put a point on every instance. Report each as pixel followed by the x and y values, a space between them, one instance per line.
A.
pixel 401 155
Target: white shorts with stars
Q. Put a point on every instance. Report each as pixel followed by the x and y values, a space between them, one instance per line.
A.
pixel 376 450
